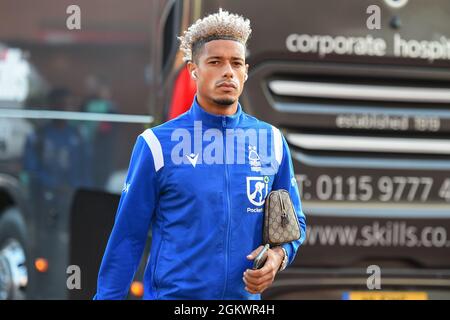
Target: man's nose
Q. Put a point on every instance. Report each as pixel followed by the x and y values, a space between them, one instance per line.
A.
pixel 228 71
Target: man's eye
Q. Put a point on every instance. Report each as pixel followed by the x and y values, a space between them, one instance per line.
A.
pixel 213 62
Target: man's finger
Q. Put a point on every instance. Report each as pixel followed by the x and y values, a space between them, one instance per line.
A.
pixel 251 291
pixel 254 253
pixel 256 288
pixel 255 274
pixel 258 281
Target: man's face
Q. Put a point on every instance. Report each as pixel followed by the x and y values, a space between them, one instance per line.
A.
pixel 220 71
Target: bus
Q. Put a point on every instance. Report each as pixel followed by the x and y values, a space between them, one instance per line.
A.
pixel 364 109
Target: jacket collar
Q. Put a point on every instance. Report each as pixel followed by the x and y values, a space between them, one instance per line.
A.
pixel 214 120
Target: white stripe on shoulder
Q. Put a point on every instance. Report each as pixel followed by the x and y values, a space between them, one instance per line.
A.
pixel 278 144
pixel 155 148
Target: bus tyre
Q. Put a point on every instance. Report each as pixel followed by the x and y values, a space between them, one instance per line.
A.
pixel 13 267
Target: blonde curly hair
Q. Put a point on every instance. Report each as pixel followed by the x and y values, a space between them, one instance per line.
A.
pixel 217 26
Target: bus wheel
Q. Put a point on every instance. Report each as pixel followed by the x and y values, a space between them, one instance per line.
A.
pixel 13 267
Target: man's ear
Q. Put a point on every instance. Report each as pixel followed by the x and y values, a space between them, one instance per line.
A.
pixel 192 70
pixel 246 72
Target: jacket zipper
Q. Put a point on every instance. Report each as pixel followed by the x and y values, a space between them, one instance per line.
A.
pixel 227 180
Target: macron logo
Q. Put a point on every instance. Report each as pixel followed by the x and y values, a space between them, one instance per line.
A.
pixel 193 159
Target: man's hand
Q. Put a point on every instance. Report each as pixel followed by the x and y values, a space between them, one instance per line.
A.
pixel 256 281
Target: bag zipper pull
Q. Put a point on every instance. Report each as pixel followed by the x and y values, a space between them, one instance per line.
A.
pixel 284 217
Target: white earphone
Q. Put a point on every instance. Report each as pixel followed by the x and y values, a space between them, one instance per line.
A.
pixel 246 77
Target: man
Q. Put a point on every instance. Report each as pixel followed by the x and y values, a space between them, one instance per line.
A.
pixel 54 152
pixel 196 180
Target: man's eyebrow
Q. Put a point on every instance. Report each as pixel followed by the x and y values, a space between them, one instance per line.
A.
pixel 214 57
pixel 221 57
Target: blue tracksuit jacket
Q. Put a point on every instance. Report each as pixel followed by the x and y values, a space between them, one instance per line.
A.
pixel 199 181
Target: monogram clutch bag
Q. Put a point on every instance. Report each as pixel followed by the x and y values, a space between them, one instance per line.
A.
pixel 280 220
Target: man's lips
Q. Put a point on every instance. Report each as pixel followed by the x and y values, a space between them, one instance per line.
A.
pixel 227 85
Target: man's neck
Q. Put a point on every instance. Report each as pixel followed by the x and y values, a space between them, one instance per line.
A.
pixel 217 109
